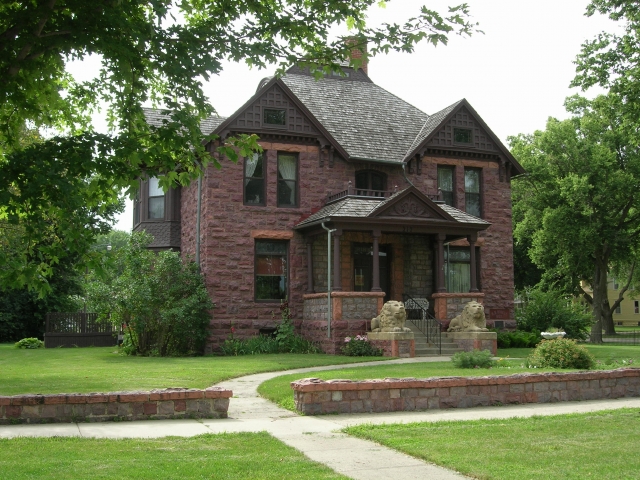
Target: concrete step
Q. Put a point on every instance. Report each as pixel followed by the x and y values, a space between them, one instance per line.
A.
pixel 425 348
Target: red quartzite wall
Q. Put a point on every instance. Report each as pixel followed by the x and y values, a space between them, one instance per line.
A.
pixel 100 407
pixel 314 397
pixel 229 229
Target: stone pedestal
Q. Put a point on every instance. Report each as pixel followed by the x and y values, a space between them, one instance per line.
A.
pixel 394 344
pixel 469 341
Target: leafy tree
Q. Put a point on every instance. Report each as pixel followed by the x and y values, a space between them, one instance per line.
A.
pixel 580 202
pixel 612 60
pixel 147 57
pixel 115 239
pixel 162 301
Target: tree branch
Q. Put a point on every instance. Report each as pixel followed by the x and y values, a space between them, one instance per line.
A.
pixel 624 289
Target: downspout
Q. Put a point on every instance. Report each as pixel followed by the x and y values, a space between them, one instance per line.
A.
pixel 329 232
pixel 404 174
pixel 198 211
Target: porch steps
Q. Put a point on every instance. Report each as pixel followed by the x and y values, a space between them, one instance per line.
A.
pixel 427 349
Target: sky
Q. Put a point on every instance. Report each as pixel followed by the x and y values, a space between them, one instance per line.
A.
pixel 516 74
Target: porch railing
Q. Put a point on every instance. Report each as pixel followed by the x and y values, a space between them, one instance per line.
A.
pixel 418 313
pixel 352 191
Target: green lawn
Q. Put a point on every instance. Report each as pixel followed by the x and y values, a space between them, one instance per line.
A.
pixel 82 370
pixel 603 353
pixel 232 456
pixel 278 389
pixel 594 445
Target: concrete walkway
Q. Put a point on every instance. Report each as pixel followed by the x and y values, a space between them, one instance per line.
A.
pixel 317 437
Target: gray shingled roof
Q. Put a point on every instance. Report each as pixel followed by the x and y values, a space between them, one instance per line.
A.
pixel 430 125
pixel 359 207
pixel 366 120
pixel 346 207
pixel 156 118
pixel 461 216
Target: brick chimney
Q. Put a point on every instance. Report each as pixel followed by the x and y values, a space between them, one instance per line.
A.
pixel 358 51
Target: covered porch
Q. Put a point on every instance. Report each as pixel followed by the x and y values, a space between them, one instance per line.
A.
pixel 385 248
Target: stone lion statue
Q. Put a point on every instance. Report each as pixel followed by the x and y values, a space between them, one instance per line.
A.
pixel 391 319
pixel 471 319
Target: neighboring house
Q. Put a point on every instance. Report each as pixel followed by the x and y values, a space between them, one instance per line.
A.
pixel 628 312
pixel 420 205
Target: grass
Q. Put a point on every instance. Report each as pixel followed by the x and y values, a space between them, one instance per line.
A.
pixel 278 389
pixel 577 446
pixel 83 370
pixel 231 456
pixel 603 353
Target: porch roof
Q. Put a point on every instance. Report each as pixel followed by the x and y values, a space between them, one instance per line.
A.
pixel 406 207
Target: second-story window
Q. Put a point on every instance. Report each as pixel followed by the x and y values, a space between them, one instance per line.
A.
pixel 370 180
pixel 287 180
pixel 472 191
pixel 445 184
pixel 254 179
pixel 156 199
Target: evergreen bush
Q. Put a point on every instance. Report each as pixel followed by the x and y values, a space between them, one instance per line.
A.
pixel 561 353
pixel 29 343
pixel 473 359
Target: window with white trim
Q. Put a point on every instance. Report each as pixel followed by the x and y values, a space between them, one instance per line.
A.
pixel 156 199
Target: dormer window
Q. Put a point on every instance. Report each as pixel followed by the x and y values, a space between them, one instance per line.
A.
pixel 274 116
pixel 462 135
pixel 368 181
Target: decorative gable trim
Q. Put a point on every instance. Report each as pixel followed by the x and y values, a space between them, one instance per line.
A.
pixel 484 141
pixel 300 121
pixel 411 203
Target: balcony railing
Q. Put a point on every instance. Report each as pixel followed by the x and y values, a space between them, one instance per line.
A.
pixel 351 191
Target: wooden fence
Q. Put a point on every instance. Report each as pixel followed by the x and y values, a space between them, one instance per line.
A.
pixel 78 330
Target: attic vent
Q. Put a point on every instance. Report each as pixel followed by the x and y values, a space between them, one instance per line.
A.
pixel 274 116
pixel 462 135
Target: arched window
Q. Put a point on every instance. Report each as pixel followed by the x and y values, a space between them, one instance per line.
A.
pixel 370 180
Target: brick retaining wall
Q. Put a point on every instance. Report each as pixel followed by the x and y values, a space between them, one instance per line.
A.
pixel 99 407
pixel 314 397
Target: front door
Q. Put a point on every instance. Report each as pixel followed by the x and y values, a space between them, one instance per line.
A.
pixel 363 268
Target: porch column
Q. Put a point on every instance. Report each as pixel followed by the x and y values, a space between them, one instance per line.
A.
pixel 472 257
pixel 310 265
pixel 337 284
pixel 442 286
pixel 376 262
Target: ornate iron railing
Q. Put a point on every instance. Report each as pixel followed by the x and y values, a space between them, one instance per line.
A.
pixel 418 313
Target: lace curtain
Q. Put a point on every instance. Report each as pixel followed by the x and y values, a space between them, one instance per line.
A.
pixel 287 167
pixel 251 163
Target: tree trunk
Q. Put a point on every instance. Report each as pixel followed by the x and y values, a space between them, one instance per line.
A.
pixel 600 302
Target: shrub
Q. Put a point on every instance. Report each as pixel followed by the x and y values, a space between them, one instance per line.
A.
pixel 162 301
pixel 550 309
pixel 360 346
pixel 29 343
pixel 284 340
pixel 518 339
pixel 474 359
pixel 561 353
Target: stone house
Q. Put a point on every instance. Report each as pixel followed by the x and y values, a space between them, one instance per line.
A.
pixel 418 205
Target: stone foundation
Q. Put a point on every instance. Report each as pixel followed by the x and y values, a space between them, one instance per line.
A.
pixel 469 341
pixel 314 397
pixel 447 306
pixel 100 407
pixel 401 345
pixel 351 314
